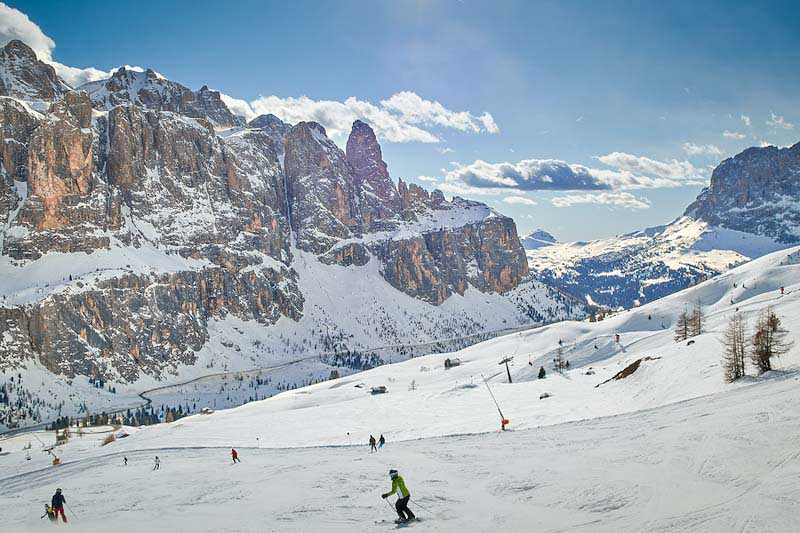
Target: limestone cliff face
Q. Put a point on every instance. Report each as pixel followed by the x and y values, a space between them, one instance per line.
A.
pixel 756 191
pixel 321 189
pixel 143 323
pixel 380 199
pixel 211 212
pixel 441 262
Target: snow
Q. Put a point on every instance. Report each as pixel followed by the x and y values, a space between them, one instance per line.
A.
pixel 50 274
pixel 669 448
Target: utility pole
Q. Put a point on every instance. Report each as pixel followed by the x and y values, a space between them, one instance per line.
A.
pixel 505 361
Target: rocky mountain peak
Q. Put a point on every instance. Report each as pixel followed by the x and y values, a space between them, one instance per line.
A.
pixel 372 174
pixel 274 128
pixel 757 191
pixel 150 90
pixel 24 76
pixel 17 49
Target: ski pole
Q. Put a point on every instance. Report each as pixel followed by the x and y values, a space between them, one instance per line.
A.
pixel 70 510
pixel 421 507
pixel 389 504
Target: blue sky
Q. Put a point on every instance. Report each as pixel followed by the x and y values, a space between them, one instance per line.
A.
pixel 603 117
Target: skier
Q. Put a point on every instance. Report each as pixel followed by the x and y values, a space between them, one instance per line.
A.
pixel 372 447
pixel 235 456
pixel 782 291
pixel 401 505
pixel 58 506
pixel 156 464
pixel 381 441
pixel 124 461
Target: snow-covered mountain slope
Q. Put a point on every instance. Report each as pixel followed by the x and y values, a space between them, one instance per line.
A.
pixel 675 372
pixel 641 267
pixel 537 239
pixel 145 230
pixel 749 209
pixel 670 447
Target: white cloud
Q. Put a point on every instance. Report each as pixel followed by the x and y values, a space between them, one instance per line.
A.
pixel 238 107
pixel 745 119
pixel 777 121
pixel 403 117
pixel 519 200
pixel 445 150
pixel 15 24
pixel 701 149
pixel 488 122
pixel 429 179
pixel 733 135
pixel 482 177
pixel 622 199
pixel 674 169
pixel 528 174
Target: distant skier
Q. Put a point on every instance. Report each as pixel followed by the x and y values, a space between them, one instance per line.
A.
pixel 124 461
pixel 782 289
pixel 156 464
pixel 401 505
pixel 381 442
pixel 57 504
pixel 372 447
pixel 616 337
pixel 235 456
pixel 48 512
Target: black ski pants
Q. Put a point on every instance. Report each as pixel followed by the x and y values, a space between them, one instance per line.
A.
pixel 402 508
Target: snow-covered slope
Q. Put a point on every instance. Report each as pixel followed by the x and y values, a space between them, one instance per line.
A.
pixel 537 239
pixel 422 386
pixel 671 447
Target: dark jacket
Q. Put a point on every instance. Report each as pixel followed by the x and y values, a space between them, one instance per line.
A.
pixel 58 501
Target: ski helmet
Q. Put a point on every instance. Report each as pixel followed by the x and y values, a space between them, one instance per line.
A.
pixel 58 491
pixel 393 473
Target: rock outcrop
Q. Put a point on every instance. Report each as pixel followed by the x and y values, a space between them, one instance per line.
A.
pixel 152 91
pixel 380 198
pixel 756 191
pixel 23 76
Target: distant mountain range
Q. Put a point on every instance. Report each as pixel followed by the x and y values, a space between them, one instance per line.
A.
pixel 750 208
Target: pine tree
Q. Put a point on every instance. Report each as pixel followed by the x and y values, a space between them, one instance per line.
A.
pixel 558 361
pixel 769 340
pixel 682 327
pixel 696 321
pixel 734 341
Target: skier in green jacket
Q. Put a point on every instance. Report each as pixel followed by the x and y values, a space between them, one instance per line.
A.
pixel 399 487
